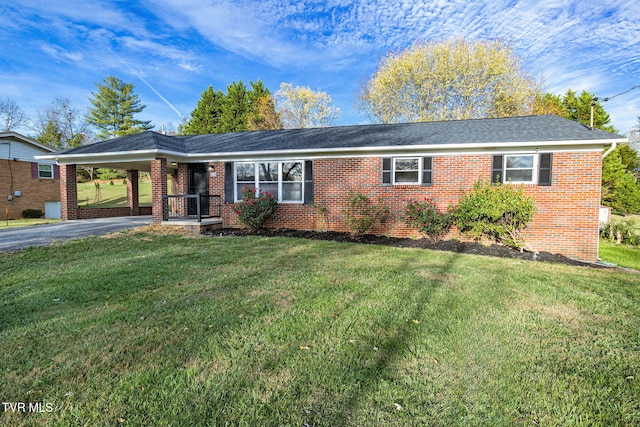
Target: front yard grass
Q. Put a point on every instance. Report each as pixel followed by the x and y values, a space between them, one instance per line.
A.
pixel 144 329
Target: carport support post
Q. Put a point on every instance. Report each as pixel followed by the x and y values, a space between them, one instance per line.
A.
pixel 68 192
pixel 133 202
pixel 183 188
pixel 158 188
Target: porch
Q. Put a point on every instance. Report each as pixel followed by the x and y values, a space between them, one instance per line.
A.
pixel 196 212
pixel 179 192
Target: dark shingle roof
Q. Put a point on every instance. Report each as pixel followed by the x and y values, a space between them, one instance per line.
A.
pixel 469 132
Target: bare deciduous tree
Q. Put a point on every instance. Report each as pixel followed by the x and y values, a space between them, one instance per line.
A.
pixel 11 115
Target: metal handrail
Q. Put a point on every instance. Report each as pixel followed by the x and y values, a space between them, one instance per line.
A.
pixel 190 206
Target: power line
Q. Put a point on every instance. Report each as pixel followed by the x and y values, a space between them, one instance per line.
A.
pixel 596 99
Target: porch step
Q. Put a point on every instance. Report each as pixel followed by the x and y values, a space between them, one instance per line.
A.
pixel 195 226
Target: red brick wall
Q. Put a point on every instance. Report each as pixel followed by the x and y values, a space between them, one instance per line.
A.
pixel 566 218
pixel 68 192
pixel 34 191
pixel 158 188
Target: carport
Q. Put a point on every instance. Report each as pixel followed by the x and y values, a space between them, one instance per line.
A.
pixel 151 152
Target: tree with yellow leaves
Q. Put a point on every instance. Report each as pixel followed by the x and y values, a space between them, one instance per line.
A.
pixel 449 80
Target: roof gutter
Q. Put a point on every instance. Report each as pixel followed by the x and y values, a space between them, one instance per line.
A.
pixel 613 147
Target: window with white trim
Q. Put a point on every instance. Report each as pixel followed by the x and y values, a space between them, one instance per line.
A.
pixel 407 171
pixel 284 180
pixel 523 169
pixel 520 169
pixel 45 171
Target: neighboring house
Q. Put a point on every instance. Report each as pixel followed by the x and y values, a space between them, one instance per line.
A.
pixel 313 171
pixel 25 182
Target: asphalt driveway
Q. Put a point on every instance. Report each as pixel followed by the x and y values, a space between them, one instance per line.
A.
pixel 13 239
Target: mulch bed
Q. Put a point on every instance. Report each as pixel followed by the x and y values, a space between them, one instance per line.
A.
pixel 456 246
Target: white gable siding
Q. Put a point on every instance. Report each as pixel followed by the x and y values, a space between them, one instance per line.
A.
pixel 22 151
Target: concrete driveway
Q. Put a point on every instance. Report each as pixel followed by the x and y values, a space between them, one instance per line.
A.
pixel 13 239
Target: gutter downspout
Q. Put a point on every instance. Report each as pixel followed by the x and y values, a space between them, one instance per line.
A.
pixel 613 147
pixel 606 153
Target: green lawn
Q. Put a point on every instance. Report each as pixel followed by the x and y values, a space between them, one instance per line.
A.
pixel 622 255
pixel 143 329
pixel 113 196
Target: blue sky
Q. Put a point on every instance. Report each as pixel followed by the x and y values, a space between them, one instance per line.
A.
pixel 172 50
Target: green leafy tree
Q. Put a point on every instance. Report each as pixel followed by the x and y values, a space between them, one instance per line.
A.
pixel 448 80
pixel 300 107
pixel 114 107
pixel 205 118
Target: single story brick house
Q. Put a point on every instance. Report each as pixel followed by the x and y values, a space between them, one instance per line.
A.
pixel 313 171
pixel 25 182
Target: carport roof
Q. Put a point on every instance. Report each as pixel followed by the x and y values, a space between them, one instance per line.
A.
pixel 513 133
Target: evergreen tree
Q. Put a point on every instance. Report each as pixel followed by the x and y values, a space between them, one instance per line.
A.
pixel 205 118
pixel 620 188
pixel 52 136
pixel 235 109
pixel 238 110
pixel 114 107
pixel 578 108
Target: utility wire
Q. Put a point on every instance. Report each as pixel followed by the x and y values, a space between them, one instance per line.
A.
pixel 596 99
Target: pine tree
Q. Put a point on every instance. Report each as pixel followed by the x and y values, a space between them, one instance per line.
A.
pixel 114 106
pixel 205 118
pixel 235 108
pixel 238 110
pixel 578 108
pixel 52 136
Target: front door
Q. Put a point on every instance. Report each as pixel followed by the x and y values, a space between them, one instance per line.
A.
pixel 198 184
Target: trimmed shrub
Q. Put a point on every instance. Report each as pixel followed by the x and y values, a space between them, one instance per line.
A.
pixel 362 215
pixel 32 213
pixel 425 217
pixel 497 211
pixel 255 211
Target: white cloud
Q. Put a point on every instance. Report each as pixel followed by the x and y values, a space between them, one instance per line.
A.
pixel 60 54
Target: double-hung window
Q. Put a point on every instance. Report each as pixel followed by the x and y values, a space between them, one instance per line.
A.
pixel 283 180
pixel 522 168
pixel 407 170
pixel 45 171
